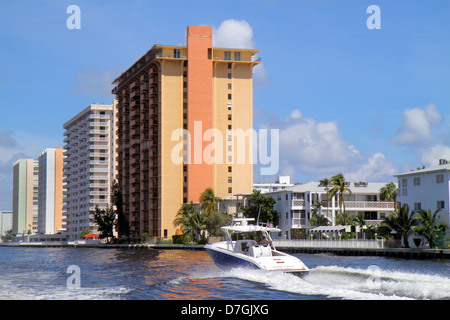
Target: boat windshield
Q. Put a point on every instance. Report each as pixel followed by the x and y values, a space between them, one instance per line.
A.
pixel 241 230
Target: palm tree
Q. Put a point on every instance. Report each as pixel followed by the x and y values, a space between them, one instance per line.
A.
pixel 190 220
pixel 401 222
pixel 208 201
pixel 317 218
pixel 429 224
pixel 359 221
pixel 389 193
pixel 325 182
pixel 183 217
pixel 339 188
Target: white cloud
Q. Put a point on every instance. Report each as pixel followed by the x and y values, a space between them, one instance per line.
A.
pixel 417 124
pixel 233 34
pixel 317 150
pixel 239 34
pixel 376 168
pixel 430 156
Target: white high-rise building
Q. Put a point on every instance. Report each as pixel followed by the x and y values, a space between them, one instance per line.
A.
pixel 50 195
pixel 25 196
pixel 88 166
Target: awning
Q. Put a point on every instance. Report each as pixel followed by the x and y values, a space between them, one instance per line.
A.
pixel 91 235
pixel 331 229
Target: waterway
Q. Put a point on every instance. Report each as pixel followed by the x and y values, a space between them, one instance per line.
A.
pixel 149 274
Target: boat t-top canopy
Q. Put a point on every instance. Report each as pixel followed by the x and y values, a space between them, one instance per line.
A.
pixel 250 228
pixel 240 225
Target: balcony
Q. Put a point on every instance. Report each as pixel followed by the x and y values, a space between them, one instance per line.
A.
pixel 349 205
pixel 361 205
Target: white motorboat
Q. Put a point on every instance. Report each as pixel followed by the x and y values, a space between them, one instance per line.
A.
pixel 249 253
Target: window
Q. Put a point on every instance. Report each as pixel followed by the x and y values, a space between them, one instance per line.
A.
pixel 417 181
pixel 230 190
pixel 227 55
pixel 230 179
pixel 229 75
pixel 229 86
pixel 404 183
pixel 417 205
pixel 176 53
pixel 229 96
pixel 440 205
pixel 229 66
pixel 229 106
pixel 209 53
pixel 230 169
pixel 440 178
pixel 237 56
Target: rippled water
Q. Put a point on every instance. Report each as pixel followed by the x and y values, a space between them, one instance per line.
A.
pixel 108 274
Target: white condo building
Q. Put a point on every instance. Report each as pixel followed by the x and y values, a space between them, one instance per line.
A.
pixel 294 205
pixel 50 191
pixel 426 189
pixel 88 166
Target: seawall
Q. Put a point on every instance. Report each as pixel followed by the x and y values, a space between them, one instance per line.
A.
pixel 403 253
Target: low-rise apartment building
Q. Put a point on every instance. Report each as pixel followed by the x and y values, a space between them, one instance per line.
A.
pixel 426 188
pixel 295 204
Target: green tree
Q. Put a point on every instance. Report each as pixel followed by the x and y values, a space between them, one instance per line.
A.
pixel 208 201
pixel 339 188
pixel 105 220
pixel 317 218
pixel 325 182
pixel 84 232
pixel 190 220
pixel 262 206
pixel 8 235
pixel 389 193
pixel 401 222
pixel 217 219
pixel 428 224
pixel 121 224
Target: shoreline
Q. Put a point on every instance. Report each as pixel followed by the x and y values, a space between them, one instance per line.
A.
pixel 403 253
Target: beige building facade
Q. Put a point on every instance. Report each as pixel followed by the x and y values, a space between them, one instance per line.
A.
pixel 178 108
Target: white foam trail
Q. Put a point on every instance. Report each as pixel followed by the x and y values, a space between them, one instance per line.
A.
pixel 348 283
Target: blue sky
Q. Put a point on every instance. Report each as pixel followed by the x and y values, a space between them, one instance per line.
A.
pixel 368 103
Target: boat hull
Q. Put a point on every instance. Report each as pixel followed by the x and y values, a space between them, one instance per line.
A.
pixel 225 259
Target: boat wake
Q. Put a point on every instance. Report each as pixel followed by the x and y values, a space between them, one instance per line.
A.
pixel 334 282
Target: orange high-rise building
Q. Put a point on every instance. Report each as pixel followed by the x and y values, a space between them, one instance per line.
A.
pixel 177 108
